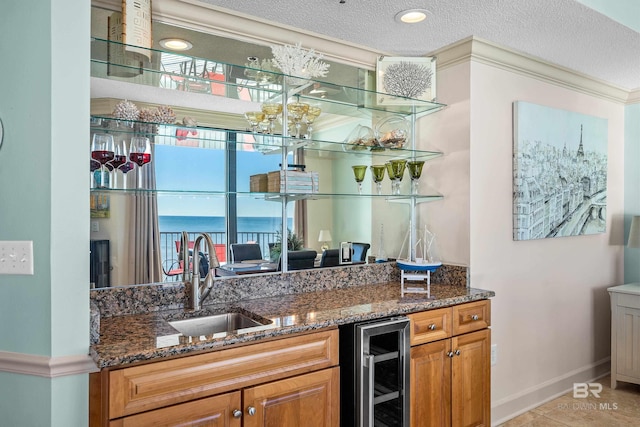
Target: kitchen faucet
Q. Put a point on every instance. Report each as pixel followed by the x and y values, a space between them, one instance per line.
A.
pixel 200 288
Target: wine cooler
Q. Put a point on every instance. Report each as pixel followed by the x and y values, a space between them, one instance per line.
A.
pixel 374 369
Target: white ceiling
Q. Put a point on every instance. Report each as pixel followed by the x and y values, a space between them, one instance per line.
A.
pixel 563 32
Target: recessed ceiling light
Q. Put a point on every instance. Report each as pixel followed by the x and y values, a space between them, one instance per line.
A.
pixel 412 16
pixel 175 44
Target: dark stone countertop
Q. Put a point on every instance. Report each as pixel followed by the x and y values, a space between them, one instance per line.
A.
pixel 131 338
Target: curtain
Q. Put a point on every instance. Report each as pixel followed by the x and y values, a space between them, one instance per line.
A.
pixel 300 211
pixel 144 239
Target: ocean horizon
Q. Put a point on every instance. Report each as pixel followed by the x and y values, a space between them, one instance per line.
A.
pixel 176 223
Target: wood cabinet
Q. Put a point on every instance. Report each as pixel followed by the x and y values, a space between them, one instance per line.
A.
pixel 451 375
pixel 625 333
pixel 289 379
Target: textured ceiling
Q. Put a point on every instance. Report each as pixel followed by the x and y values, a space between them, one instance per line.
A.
pixel 563 32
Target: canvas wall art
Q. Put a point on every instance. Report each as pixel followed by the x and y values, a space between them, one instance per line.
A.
pixel 559 172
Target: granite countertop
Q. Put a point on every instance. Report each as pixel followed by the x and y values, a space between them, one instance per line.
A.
pixel 134 338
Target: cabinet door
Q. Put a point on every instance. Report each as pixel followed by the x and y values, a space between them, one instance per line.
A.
pixel 310 400
pixel 471 379
pixel 431 384
pixel 627 324
pixel 214 411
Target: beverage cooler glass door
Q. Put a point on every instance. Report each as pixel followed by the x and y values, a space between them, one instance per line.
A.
pixel 383 376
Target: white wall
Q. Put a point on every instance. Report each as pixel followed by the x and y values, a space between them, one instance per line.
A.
pixel 551 313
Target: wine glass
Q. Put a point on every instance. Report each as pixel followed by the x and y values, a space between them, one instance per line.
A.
pixel 310 117
pixel 271 111
pixel 415 171
pixel 398 167
pixel 140 150
pixel 296 110
pixel 377 171
pixel 359 172
pixel 392 175
pixel 254 118
pixel 102 147
pixel 121 162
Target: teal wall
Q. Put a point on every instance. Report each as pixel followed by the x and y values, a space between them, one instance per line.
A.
pixel 631 187
pixel 44 105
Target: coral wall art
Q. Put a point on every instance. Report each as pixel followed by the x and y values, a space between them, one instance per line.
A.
pixel 401 80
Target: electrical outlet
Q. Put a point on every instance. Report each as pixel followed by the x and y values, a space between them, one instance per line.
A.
pixel 16 257
pixel 494 354
pixel 95 226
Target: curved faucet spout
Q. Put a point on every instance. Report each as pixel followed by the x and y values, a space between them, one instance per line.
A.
pixel 200 289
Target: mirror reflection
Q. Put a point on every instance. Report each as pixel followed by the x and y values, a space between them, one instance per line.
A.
pixel 157 180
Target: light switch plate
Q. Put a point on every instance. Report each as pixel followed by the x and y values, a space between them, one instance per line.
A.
pixel 16 257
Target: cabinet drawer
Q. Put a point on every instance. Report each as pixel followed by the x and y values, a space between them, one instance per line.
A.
pixel 155 385
pixel 471 317
pixel 208 412
pixel 432 325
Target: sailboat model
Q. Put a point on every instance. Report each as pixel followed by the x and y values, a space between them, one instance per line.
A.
pixel 413 268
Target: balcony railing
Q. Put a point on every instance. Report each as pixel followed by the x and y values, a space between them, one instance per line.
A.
pixel 170 241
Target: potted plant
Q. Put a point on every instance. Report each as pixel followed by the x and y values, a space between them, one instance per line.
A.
pixel 294 243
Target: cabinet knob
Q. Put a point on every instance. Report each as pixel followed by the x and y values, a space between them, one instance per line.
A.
pixel 432 327
pixel 457 352
pixel 474 317
pixel 251 410
pixel 450 354
pixel 237 413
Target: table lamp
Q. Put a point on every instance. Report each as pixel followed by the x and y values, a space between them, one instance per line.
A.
pixel 634 233
pixel 325 239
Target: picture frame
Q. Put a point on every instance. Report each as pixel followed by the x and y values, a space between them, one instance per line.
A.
pixel 100 206
pixel 559 172
pixel 402 80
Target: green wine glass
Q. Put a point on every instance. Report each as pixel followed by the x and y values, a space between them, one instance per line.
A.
pixel 398 167
pixel 359 172
pixel 377 171
pixel 415 172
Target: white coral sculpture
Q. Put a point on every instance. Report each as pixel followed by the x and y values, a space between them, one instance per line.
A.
pixel 299 62
pixel 407 79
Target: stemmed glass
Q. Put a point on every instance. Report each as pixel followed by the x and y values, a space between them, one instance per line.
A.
pixel 296 111
pixel 359 172
pixel 102 147
pixel 415 171
pixel 377 172
pixel 271 110
pixel 310 117
pixel 140 150
pixel 254 118
pixel 397 168
pixel 121 162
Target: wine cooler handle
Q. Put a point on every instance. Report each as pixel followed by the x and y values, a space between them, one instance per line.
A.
pixel 371 379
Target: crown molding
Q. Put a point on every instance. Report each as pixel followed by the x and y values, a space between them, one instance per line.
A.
pixel 485 52
pixel 634 97
pixel 45 366
pixel 198 16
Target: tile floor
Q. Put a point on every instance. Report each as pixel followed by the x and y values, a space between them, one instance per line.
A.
pixel 619 407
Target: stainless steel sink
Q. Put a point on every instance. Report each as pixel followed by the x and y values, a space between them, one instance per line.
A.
pixel 219 324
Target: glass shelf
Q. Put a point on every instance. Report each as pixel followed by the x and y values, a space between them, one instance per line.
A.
pixel 402 198
pixel 217 138
pixel 170 70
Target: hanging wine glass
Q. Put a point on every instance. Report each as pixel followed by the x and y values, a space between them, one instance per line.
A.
pixel 297 110
pixel 377 172
pixel 271 111
pixel 415 171
pixel 310 117
pixel 359 172
pixel 102 147
pixel 254 118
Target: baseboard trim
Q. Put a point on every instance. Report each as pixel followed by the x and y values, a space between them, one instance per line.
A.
pixel 514 405
pixel 45 366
